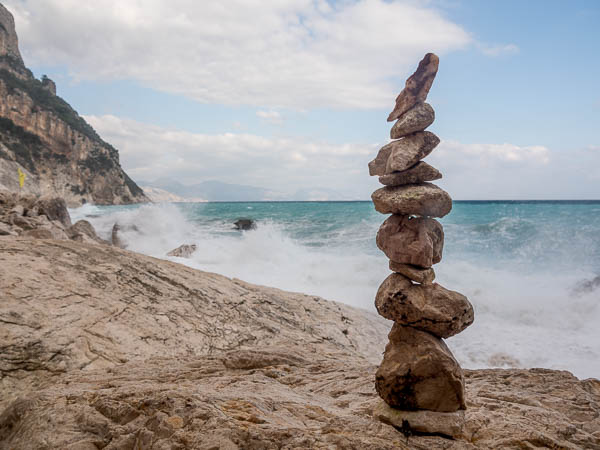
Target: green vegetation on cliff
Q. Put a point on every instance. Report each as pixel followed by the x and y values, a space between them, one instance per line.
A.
pixel 47 101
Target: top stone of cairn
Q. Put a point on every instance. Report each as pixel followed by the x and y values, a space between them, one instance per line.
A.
pixel 417 86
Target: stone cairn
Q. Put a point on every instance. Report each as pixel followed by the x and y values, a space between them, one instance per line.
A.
pixel 419 379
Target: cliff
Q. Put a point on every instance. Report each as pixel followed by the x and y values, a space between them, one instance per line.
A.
pixel 105 348
pixel 40 134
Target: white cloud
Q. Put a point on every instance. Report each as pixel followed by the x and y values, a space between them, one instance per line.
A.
pixel 267 53
pixel 283 164
pixel 490 153
pixel 498 49
pixel 272 117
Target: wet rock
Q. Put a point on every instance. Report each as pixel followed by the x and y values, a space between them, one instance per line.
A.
pixel 417 274
pixel 417 86
pixel 83 231
pixel 183 251
pixel 424 199
pixel 418 241
pixel 430 308
pixel 418 173
pixel 418 371
pixel 244 224
pixel 450 424
pixel 410 150
pixel 114 236
pixel 415 119
pixel 54 208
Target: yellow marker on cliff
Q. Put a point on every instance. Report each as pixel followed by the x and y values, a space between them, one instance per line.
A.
pixel 21 177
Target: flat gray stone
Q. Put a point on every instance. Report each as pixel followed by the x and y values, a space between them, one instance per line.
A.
pixel 423 199
pixel 415 119
pixel 416 174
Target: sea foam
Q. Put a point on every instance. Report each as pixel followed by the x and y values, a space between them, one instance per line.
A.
pixel 520 276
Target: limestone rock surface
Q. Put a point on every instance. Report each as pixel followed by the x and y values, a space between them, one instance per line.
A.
pixel 104 348
pixel 419 173
pixel 418 241
pixel 418 371
pixel 415 119
pixel 68 305
pixel 417 86
pixel 414 273
pixel 430 308
pixel 423 199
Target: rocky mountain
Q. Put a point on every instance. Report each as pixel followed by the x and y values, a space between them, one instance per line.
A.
pixel 43 136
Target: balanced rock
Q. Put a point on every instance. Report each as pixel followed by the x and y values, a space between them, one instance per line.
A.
pixel 403 154
pixel 430 307
pixel 418 241
pixel 416 174
pixel 419 372
pixel 417 274
pixel 417 86
pixel 447 424
pixel 424 199
pixel 410 150
pixel 415 119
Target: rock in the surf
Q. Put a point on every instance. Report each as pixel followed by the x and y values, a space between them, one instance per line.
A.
pixel 416 274
pixel 415 119
pixel 418 173
pixel 183 251
pixel 410 150
pixel 418 241
pixel 417 86
pixel 430 307
pixel 423 199
pixel 244 224
pixel 419 372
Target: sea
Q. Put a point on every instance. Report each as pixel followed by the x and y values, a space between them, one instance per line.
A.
pixel 531 269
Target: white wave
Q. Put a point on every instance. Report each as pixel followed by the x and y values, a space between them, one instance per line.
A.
pixel 523 318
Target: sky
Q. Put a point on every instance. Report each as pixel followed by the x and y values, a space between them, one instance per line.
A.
pixel 294 95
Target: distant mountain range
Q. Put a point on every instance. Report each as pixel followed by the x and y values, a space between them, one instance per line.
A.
pixel 165 189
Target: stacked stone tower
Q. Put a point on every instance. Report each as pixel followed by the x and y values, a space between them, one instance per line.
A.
pixel 419 376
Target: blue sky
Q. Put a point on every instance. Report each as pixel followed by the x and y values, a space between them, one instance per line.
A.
pixel 294 95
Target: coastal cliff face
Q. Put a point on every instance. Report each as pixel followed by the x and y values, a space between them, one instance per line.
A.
pixel 105 348
pixel 40 134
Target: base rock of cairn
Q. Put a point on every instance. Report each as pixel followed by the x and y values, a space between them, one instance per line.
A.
pixel 419 379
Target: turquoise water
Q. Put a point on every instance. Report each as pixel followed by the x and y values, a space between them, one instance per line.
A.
pixel 527 267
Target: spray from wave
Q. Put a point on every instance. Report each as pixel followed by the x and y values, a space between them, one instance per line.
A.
pixel 532 306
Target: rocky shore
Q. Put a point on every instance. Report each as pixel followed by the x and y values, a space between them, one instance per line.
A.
pixel 105 348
